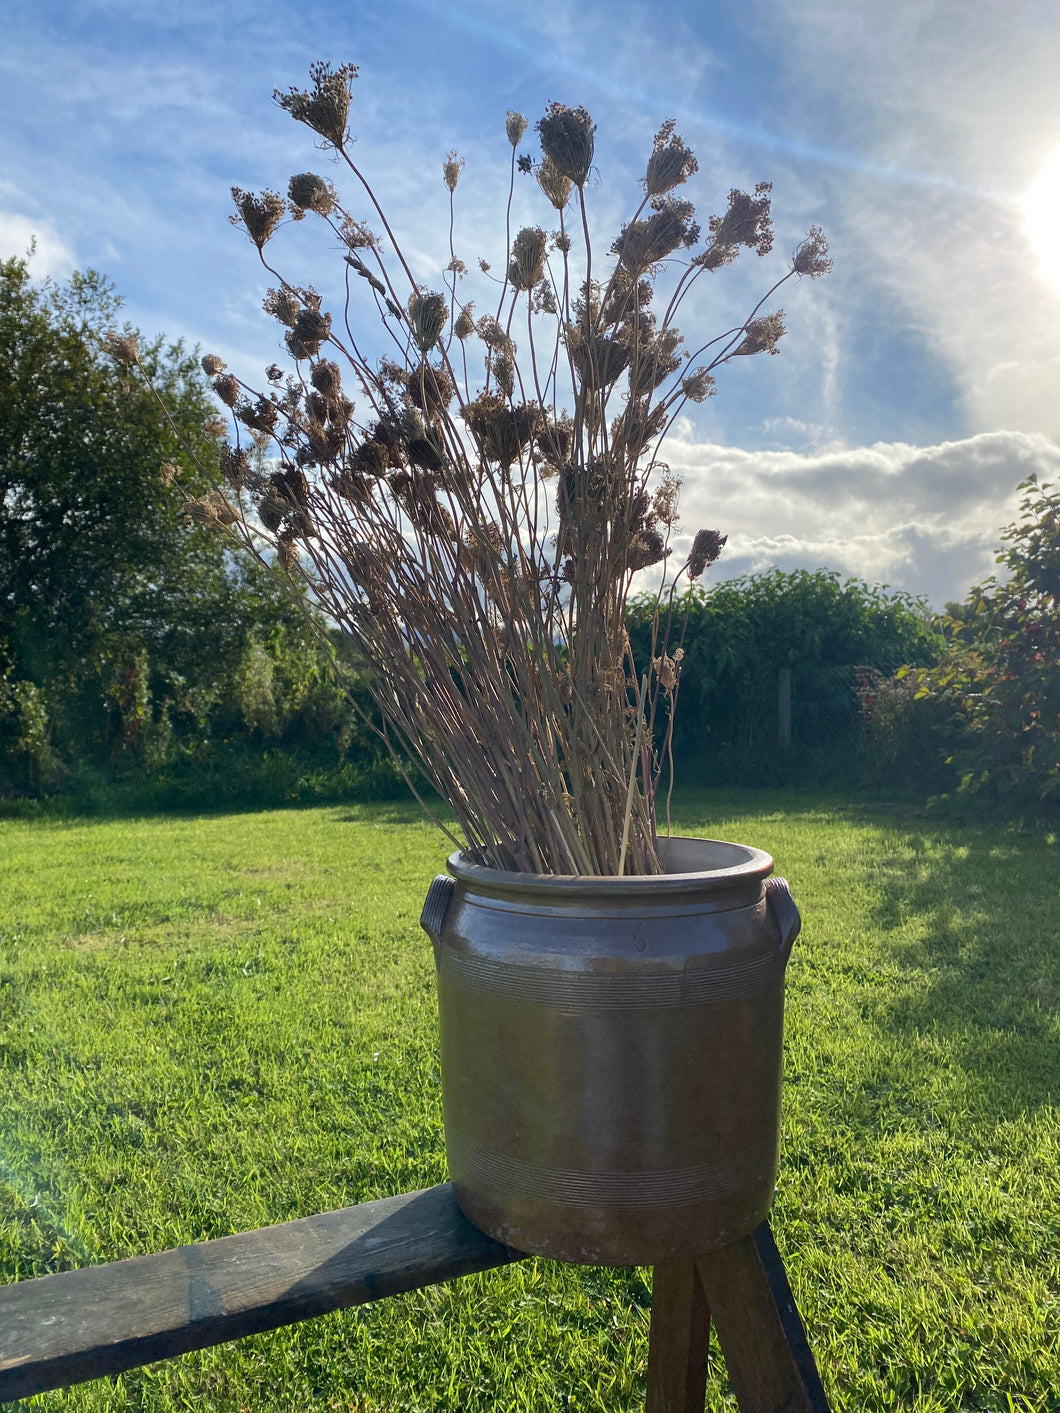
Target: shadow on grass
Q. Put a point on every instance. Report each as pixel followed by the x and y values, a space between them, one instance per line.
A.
pixel 969 915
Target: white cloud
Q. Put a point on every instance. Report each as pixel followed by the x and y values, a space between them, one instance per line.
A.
pixel 51 255
pixel 923 519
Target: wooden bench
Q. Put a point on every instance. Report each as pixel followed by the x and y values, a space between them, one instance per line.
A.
pixel 62 1329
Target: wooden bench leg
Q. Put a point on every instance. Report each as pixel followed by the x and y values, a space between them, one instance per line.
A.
pixel 770 1365
pixel 679 1340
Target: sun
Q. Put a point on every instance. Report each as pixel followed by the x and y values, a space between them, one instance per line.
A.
pixel 1042 211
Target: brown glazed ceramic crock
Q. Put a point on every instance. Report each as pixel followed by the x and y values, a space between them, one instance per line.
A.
pixel 611 1051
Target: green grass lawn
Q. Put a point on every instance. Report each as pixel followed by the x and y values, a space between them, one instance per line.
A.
pixel 210 1024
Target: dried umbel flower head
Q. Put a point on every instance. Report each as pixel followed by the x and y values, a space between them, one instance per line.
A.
pixel 706 547
pixel 283 304
pixel 515 126
pixel 274 373
pixel 287 552
pixel 528 258
pixel 215 428
pixel 427 315
pixel 169 472
pixel 234 465
pixel 212 365
pixel 211 509
pixel 567 140
pixel 308 192
pixel 451 169
pixel 326 106
pixel 123 348
pixel 227 389
pixel 645 548
pixel 493 334
pixel 698 385
pixel 555 186
pixel 747 221
pixel 465 323
pixel 310 329
pixel 671 163
pixel 761 335
pixel 811 257
pixel 326 378
pixel 642 244
pixel 259 215
pixel 668 670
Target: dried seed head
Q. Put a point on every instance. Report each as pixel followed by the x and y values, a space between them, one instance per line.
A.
pixel 761 335
pixel 706 547
pixel 567 140
pixel 430 388
pixel 215 428
pixel 326 106
pixel 169 472
pixel 671 163
pixel 212 365
pixel 747 221
pixel 503 369
pixel 272 511
pixel 309 331
pixel 123 348
pixel 698 385
pixel 274 373
pixel 555 186
pixel 515 126
pixel 668 671
pixel 357 235
pixel 259 215
pixel 664 500
pixel 283 304
pixel 465 323
pixel 234 465
pixel 492 333
pixel 715 256
pixel 287 553
pixel 645 548
pixel 211 509
pixel 308 192
pixel 502 432
pixel 811 257
pixel 326 378
pixel 227 389
pixel 427 315
pixel 642 244
pixel 527 264
pixel 451 169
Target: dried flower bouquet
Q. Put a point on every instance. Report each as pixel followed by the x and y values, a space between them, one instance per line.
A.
pixel 475 538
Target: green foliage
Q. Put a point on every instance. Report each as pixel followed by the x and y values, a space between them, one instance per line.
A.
pixel 130 638
pixel 737 636
pixel 996 691
pixel 212 1024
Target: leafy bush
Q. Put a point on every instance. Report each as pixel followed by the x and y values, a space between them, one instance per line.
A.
pixel 737 637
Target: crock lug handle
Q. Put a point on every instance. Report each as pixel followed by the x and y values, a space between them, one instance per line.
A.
pixel 784 912
pixel 436 906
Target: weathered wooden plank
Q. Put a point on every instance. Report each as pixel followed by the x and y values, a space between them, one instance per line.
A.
pixel 76 1325
pixel 767 1373
pixel 678 1340
pixel 790 1319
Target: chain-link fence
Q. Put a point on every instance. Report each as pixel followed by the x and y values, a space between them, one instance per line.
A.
pixel 824 710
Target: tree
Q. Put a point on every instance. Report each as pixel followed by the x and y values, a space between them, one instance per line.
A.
pixel 122 626
pixel 999 682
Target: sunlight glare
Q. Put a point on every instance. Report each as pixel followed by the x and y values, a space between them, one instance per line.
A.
pixel 1042 210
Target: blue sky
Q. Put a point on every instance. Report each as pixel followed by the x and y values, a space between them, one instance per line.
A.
pixel 916 385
